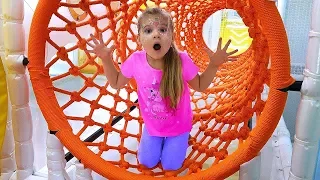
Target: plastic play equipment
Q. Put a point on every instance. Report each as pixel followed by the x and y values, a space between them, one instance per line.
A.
pixel 4 104
pixel 306 140
pixel 17 145
pixel 236 89
pixel 3 99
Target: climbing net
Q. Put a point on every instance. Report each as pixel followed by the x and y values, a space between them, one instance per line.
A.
pixel 221 113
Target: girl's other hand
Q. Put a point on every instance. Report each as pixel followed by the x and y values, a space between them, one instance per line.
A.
pixel 99 48
pixel 220 56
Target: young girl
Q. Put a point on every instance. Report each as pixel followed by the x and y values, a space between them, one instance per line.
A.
pixel 162 75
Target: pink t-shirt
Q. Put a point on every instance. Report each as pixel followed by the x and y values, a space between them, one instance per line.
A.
pixel 160 120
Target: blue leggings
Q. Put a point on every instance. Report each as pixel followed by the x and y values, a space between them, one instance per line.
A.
pixel 171 151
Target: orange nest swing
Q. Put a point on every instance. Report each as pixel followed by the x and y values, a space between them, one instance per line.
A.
pixel 235 94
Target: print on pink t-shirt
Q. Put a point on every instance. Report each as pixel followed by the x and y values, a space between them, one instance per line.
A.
pixel 155 103
pixel 159 118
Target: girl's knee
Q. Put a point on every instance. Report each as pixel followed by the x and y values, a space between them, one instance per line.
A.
pixel 147 161
pixel 171 165
pixel 149 151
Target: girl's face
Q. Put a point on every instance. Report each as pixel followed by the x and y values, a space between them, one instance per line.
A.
pixel 155 35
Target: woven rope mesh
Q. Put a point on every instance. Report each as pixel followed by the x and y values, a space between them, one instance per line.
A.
pixel 221 113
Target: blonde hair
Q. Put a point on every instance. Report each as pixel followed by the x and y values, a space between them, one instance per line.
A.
pixel 171 85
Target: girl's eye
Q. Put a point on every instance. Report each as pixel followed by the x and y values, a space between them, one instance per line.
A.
pixel 163 30
pixel 147 31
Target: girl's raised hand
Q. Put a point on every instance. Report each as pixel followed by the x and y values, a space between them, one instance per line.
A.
pixel 99 48
pixel 220 56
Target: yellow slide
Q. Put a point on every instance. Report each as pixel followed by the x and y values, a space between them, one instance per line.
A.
pixel 3 104
pixel 234 29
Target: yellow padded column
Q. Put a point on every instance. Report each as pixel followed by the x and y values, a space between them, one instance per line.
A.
pixel 3 103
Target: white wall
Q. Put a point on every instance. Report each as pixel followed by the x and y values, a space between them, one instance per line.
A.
pixel 297 24
pixel 29 8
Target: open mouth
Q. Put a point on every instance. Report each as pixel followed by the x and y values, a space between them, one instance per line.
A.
pixel 157 47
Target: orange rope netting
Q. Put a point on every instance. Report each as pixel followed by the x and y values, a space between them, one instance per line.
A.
pixel 233 98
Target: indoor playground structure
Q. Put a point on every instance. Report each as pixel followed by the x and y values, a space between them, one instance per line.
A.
pixel 60 118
